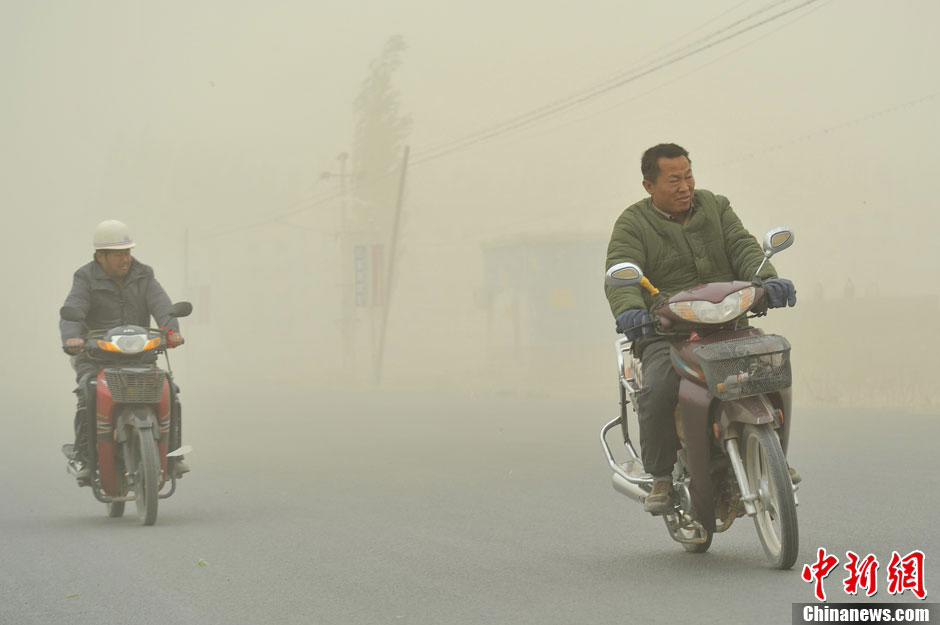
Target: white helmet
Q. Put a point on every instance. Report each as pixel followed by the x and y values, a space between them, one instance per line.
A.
pixel 113 235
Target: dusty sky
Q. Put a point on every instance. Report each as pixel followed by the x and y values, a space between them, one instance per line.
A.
pixel 209 116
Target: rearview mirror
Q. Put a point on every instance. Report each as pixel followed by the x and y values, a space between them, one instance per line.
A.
pixel 181 309
pixel 623 274
pixel 777 240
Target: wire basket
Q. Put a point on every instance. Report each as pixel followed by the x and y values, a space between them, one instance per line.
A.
pixel 746 367
pixel 135 386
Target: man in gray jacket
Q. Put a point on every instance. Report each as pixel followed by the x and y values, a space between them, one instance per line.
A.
pixel 113 289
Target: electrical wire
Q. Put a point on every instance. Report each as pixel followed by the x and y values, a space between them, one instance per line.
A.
pixel 830 129
pixel 695 70
pixel 577 100
pixel 561 105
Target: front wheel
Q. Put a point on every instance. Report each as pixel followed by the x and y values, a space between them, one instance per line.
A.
pixel 769 478
pixel 116 508
pixel 147 479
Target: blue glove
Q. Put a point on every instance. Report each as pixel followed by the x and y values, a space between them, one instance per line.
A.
pixel 628 321
pixel 780 292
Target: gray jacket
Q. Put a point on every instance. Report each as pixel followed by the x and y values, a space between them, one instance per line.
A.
pixel 107 304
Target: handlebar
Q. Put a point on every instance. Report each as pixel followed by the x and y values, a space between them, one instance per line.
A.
pixel 92 337
pixel 663 325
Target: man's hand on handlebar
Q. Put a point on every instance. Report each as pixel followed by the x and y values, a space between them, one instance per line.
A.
pixel 174 339
pixel 73 346
pixel 633 323
pixel 780 292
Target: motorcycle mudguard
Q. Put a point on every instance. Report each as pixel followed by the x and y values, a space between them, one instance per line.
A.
pixel 163 417
pixel 144 417
pixel 760 409
pixel 755 410
pixel 784 401
pixel 104 408
pixel 694 404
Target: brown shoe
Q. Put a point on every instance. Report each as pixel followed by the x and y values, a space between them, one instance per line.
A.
pixel 659 501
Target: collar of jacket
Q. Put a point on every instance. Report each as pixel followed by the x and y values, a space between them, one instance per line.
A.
pixel 98 275
pixel 660 220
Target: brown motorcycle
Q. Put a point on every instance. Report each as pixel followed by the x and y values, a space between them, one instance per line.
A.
pixel 733 415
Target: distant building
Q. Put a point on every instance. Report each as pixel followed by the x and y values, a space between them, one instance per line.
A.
pixel 546 314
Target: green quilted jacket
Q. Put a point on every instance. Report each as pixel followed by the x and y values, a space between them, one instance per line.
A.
pixel 712 247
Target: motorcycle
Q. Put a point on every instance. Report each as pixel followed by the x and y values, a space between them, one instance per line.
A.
pixel 133 409
pixel 733 414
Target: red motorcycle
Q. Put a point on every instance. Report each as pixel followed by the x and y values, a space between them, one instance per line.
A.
pixel 133 408
pixel 734 395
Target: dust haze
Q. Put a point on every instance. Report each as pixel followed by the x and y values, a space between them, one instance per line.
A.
pixel 257 152
pixel 214 133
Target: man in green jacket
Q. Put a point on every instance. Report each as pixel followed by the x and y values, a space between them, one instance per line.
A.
pixel 680 237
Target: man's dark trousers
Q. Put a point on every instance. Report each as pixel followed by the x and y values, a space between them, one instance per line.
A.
pixel 656 405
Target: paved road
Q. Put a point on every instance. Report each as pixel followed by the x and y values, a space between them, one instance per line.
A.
pixel 408 509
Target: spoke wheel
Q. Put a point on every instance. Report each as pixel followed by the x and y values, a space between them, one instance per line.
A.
pixel 769 479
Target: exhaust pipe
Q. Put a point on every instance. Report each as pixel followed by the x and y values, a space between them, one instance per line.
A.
pixel 622 486
pixel 623 482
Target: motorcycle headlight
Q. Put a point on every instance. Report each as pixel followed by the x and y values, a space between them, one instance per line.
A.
pixel 152 344
pixel 700 311
pixel 108 346
pixel 131 343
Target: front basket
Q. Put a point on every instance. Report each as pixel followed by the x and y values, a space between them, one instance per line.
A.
pixel 745 367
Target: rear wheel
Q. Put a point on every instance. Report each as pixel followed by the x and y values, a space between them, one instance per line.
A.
pixel 147 478
pixel 769 478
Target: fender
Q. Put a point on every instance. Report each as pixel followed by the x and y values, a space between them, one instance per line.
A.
pixel 143 417
pixel 693 417
pixel 164 409
pixel 783 400
pixel 756 410
pixel 139 417
pixel 104 410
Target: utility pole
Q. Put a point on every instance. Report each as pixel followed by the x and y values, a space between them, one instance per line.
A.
pixel 389 283
pixel 348 318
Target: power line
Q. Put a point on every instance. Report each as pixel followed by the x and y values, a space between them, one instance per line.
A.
pixel 593 93
pixel 543 216
pixel 297 208
pixel 698 28
pixel 564 104
pixel 829 129
pixel 699 41
pixel 618 76
pixel 680 76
